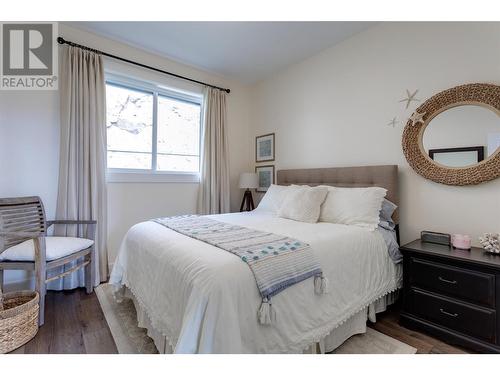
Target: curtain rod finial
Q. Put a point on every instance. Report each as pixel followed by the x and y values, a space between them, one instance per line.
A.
pixel 60 40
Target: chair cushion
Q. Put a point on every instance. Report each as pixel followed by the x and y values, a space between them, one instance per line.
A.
pixel 56 247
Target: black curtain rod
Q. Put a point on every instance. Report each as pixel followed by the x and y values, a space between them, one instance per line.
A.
pixel 61 40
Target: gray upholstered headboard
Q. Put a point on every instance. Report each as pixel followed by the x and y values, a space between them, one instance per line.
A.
pixel 385 176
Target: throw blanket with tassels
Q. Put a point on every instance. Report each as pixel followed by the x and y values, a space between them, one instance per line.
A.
pixel 276 261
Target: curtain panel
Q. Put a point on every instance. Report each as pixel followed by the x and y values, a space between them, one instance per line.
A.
pixel 213 194
pixel 82 190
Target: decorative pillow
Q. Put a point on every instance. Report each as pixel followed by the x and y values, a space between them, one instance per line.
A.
pixel 274 197
pixel 353 206
pixel 386 212
pixel 303 203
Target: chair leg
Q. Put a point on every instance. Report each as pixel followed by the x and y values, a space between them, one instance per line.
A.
pixel 41 288
pixel 89 272
pixel 41 313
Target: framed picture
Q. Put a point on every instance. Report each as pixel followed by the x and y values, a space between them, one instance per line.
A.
pixel 264 148
pixel 458 156
pixel 266 177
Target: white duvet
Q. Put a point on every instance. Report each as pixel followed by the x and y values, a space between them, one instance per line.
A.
pixel 205 300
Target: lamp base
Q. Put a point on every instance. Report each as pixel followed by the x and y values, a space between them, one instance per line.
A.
pixel 247 201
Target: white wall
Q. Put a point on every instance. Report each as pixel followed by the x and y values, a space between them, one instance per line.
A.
pixel 29 145
pixel 29 150
pixel 332 110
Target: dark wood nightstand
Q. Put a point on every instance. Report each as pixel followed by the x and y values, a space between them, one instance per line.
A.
pixel 452 294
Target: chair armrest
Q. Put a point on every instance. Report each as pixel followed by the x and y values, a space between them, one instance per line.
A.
pixel 18 234
pixel 92 224
pixel 71 222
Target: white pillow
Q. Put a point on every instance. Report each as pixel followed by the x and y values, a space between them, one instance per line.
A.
pixel 303 203
pixel 274 197
pixel 353 206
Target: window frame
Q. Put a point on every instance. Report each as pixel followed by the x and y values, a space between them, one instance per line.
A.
pixel 152 174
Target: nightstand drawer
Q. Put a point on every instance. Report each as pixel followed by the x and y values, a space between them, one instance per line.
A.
pixel 477 287
pixel 472 320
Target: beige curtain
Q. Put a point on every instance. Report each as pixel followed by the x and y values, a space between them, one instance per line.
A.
pixel 213 196
pixel 82 168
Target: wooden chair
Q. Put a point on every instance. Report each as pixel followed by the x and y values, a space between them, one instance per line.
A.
pixel 24 244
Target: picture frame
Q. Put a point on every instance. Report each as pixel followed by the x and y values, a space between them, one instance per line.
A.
pixel 458 156
pixel 264 148
pixel 266 177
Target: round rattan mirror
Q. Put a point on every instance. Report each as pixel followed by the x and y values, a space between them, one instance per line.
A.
pixel 477 94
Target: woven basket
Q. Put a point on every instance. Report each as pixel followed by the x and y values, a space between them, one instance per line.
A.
pixel 18 319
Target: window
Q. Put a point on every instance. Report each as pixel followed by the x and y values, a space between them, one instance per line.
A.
pixel 129 126
pixel 151 130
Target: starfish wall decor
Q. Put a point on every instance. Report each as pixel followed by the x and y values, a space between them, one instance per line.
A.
pixel 416 117
pixel 393 122
pixel 410 98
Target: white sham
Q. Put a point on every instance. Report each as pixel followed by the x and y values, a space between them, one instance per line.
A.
pixel 273 199
pixel 303 203
pixel 353 206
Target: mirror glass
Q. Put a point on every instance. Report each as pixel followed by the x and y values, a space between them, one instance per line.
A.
pixel 462 136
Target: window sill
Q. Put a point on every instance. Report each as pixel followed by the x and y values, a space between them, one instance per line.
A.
pixel 151 177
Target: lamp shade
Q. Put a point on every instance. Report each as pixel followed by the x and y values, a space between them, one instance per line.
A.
pixel 249 181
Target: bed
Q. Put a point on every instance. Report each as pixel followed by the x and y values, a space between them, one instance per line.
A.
pixel 196 298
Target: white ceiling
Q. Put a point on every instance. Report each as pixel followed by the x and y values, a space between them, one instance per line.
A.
pixel 243 51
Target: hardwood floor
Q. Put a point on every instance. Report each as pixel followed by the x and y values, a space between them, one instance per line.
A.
pixel 75 323
pixel 387 323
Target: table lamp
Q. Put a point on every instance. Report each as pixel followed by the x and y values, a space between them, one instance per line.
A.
pixel 248 181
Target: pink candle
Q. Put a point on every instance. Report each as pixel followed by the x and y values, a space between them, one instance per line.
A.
pixel 461 241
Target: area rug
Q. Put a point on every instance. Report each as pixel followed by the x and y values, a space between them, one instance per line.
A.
pixel 130 339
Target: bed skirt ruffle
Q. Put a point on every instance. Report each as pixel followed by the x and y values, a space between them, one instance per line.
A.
pixel 356 324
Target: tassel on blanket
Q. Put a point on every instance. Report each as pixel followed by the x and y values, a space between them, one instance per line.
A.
pixel 266 313
pixel 320 284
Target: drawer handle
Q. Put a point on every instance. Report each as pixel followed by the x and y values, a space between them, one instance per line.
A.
pixel 447 281
pixel 448 313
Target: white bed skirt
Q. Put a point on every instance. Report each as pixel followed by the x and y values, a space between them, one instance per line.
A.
pixel 353 326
